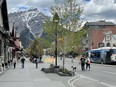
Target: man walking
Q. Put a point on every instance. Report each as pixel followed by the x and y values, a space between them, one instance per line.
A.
pixel 82 62
pixel 36 62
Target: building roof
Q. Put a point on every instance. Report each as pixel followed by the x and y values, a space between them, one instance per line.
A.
pixel 100 23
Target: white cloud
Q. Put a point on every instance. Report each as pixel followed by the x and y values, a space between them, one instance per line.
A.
pixel 103 2
pixel 93 9
pixel 15 4
pixel 100 10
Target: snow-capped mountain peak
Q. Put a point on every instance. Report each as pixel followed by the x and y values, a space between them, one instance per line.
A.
pixel 30 22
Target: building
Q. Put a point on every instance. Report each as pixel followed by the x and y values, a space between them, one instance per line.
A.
pixel 17 48
pixel 4 34
pixel 9 42
pixel 99 34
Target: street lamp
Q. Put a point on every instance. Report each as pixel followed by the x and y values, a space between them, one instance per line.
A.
pixel 55 20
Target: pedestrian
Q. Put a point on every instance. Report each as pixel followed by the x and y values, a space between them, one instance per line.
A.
pixel 61 55
pixel 82 62
pixel 22 61
pixel 14 62
pixel 36 62
pixel 88 63
pixel 40 59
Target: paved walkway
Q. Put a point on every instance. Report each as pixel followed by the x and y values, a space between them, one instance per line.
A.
pixel 27 77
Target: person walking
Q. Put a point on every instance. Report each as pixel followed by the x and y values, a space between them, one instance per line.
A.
pixel 40 59
pixel 36 62
pixel 88 63
pixel 82 62
pixel 22 61
pixel 14 62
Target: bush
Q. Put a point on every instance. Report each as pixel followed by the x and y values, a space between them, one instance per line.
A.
pixel 51 65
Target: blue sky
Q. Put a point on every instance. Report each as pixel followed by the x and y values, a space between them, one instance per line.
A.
pixel 23 8
pixel 93 9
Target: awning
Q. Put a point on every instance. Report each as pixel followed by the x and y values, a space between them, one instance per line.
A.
pixel 17 43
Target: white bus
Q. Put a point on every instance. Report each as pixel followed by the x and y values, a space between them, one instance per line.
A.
pixel 102 55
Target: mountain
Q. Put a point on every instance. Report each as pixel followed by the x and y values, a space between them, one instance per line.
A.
pixel 28 24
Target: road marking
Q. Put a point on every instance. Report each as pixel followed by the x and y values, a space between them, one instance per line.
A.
pixel 109 72
pixel 107 84
pixel 103 83
pixel 74 79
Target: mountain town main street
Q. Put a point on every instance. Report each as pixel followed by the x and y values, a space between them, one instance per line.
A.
pixel 99 76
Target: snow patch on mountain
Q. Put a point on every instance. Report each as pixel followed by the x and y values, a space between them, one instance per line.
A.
pixel 30 22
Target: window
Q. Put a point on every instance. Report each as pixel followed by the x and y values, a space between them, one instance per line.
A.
pixel 114 45
pixel 108 45
pixel 108 37
pixel 86 41
pixel 0 48
pixel 95 55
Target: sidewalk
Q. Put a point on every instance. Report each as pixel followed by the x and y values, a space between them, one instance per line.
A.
pixel 27 77
pixel 32 77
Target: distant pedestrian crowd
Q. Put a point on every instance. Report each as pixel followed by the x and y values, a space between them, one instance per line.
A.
pixel 22 59
pixel 33 59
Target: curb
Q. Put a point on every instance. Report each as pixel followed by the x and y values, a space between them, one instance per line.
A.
pixel 105 65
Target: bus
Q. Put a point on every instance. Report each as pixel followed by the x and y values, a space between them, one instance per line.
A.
pixel 102 55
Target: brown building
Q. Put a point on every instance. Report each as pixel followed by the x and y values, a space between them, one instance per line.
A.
pixel 99 34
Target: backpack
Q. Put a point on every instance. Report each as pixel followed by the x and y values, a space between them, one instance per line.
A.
pixel 82 60
pixel 88 62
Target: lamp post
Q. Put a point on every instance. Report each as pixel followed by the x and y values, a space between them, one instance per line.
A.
pixel 55 20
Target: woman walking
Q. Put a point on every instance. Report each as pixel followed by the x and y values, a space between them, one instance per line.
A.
pixel 14 62
pixel 88 63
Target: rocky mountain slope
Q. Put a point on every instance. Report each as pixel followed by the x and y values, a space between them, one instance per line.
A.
pixel 28 24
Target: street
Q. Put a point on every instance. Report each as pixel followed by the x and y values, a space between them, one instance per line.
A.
pixel 98 76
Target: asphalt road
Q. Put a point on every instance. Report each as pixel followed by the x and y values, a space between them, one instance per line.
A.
pixel 100 75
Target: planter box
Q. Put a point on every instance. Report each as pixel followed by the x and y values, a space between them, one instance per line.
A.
pixel 48 70
pixel 58 71
pixel 69 73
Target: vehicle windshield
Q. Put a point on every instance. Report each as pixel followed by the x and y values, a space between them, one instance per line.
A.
pixel 95 54
pixel 114 51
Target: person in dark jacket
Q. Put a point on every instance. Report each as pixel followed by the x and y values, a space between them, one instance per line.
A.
pixel 82 62
pixel 36 62
pixel 23 61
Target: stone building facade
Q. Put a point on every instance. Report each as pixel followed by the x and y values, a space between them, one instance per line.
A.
pixel 7 41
